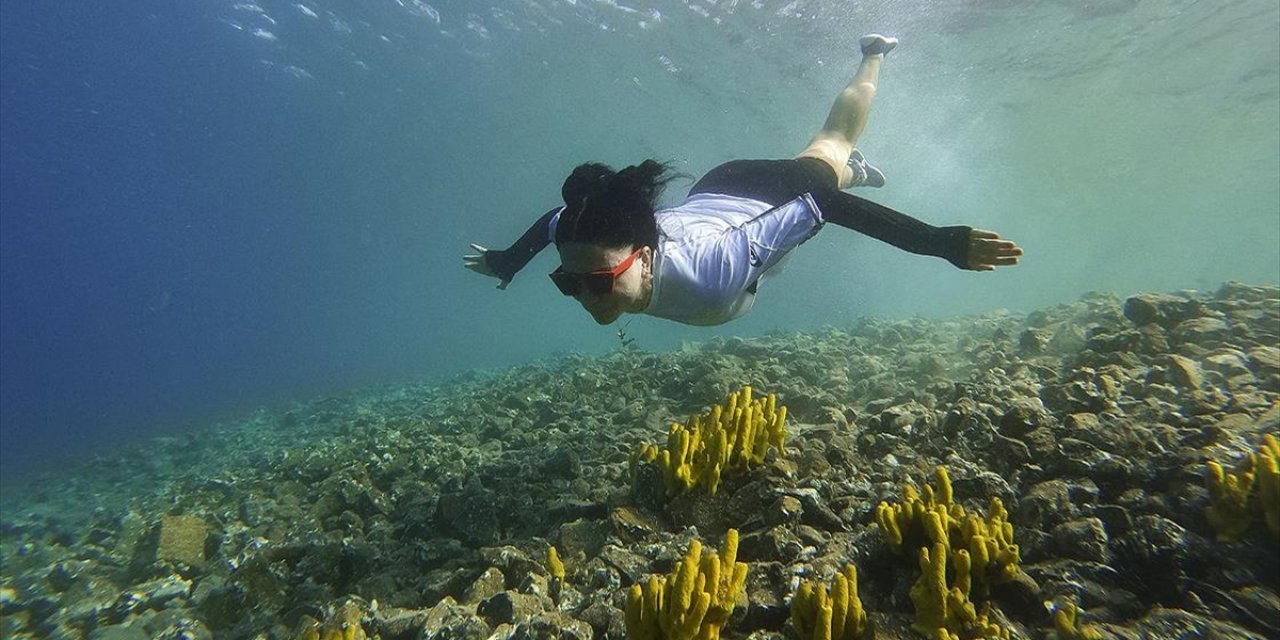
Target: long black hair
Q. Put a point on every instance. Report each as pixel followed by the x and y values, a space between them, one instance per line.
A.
pixel 612 208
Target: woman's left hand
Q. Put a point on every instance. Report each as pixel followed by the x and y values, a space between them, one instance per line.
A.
pixel 987 251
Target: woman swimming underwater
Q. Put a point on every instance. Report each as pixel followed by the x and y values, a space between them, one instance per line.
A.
pixel 701 261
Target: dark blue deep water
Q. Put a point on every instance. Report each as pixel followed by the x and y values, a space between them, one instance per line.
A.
pixel 208 208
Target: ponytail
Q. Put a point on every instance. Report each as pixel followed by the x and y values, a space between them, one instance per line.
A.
pixel 612 208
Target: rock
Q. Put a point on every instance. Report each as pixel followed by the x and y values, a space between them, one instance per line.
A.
pixel 552 626
pixel 785 510
pixel 490 583
pixel 632 525
pixel 1152 340
pixel 1085 459
pixel 1022 597
pixel 451 582
pixel 648 489
pixel 1081 422
pixel 605 621
pixel 775 543
pixel 767 582
pixel 1033 342
pixel 1022 416
pixel 1158 308
pixel 1041 443
pixel 1046 505
pixel 448 620
pixel 1185 373
pixel 1176 623
pixel 509 560
pixel 182 539
pixel 583 536
pixel 184 630
pixel 397 624
pixel 1068 338
pixel 1206 331
pixel 510 608
pixel 632 565
pixel 63 575
pixel 1082 539
pixel 563 463
pixel 119 632
pixel 149 595
pixel 471 513
pixel 1086 394
pixel 1264 359
pixel 1229 362
pixel 1154 551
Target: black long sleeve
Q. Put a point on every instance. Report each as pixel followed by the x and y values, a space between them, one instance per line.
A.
pixel 896 228
pixel 509 261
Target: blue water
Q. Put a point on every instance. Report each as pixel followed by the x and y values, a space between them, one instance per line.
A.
pixel 211 208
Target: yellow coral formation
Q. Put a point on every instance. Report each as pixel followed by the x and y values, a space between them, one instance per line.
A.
pixel 986 629
pixel 1233 503
pixel 990 543
pixel 904 523
pixel 981 552
pixel 344 624
pixel 733 436
pixel 554 565
pixel 830 615
pixel 694 601
pixel 937 605
pixel 1268 471
pixel 1228 511
pixel 929 518
pixel 1066 621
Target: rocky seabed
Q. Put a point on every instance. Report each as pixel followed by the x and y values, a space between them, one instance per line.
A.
pixel 425 511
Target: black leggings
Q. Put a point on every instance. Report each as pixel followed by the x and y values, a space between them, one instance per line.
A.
pixel 777 182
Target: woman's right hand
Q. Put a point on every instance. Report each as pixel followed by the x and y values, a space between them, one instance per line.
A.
pixel 477 263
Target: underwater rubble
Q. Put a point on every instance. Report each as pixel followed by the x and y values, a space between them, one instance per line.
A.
pixel 516 504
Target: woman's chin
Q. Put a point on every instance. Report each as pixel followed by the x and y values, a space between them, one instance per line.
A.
pixel 606 317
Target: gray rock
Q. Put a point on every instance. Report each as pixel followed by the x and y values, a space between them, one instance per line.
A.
pixel 1203 330
pixel 448 620
pixel 1185 373
pixel 1158 308
pixel 510 608
pixel 1022 416
pixel 1264 359
pixel 583 536
pixel 607 622
pixel 785 510
pixel 1082 539
pixel 510 560
pixel 1046 505
pixel 401 623
pixel 552 626
pixel 1176 623
pixel 119 632
pixel 490 583
pixel 775 543
pixel 767 583
pixel 630 564
pixel 471 513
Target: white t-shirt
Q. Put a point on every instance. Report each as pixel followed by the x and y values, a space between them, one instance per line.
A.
pixel 714 248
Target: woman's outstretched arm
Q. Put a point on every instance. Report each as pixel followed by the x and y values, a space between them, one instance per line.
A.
pixel 964 247
pixel 504 264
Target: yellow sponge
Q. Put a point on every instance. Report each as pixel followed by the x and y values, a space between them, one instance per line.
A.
pixel 733 436
pixel 834 614
pixel 694 601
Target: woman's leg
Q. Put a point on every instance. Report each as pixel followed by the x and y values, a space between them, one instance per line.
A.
pixel 834 143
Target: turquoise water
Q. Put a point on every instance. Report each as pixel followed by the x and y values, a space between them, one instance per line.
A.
pixel 212 208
